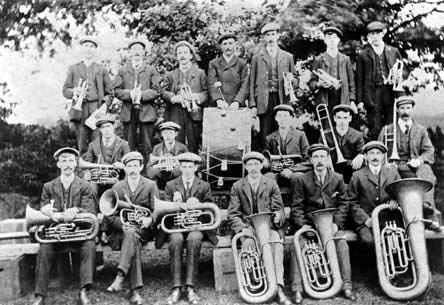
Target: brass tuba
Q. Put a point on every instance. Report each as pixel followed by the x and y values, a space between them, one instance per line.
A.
pixel 277 163
pixel 400 243
pixel 317 258
pixel 255 271
pixel 100 173
pixel 54 229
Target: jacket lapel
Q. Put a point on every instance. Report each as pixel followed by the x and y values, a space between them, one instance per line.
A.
pixel 290 136
pixel 195 186
pixel 383 175
pixel 315 179
pixel 372 178
pixel 265 56
pixel 180 188
pixel 58 191
pixel 246 189
pixel 328 177
pixel 75 188
pixel 118 143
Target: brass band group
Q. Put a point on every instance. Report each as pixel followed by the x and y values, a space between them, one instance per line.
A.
pixel 382 189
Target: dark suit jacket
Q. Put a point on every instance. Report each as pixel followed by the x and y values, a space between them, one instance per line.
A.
pixel 350 144
pixel 200 190
pixel 296 143
pixel 197 80
pixel 420 145
pixel 259 78
pixel 234 78
pixel 241 203
pixel 310 196
pixel 124 83
pixel 94 150
pixel 366 72
pixel 80 195
pixel 179 148
pixel 366 191
pixel 346 75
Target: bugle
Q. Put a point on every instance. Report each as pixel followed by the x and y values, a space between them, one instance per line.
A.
pixel 77 100
pixel 328 79
pixel 288 87
pixel 166 162
pixel 100 173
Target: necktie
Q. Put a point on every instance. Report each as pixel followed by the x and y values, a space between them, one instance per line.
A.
pixel 406 129
pixel 188 190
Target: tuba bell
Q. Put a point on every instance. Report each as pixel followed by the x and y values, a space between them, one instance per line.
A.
pixel 84 226
pixel 255 271
pixel 317 258
pixel 400 243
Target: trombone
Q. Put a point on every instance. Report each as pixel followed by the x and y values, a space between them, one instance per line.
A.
pixel 324 117
pixel 392 137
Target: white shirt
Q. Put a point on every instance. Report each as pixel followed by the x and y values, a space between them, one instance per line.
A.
pixel 66 180
pixel 321 177
pixel 403 124
pixel 137 64
pixel 283 133
pixel 133 183
pixel 272 51
pixel 342 132
pixel 228 59
pixel 108 142
pixel 378 50
pixel 254 182
pixel 375 169
pixel 190 181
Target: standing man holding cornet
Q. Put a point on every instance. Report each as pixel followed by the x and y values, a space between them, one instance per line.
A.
pixel 228 76
pixel 128 234
pixel 89 86
pixel 136 84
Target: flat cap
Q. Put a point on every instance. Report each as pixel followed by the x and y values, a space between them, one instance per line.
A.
pixel 272 26
pixel 253 155
pixel 105 118
pixel 375 26
pixel 374 144
pixel 67 150
pixel 169 125
pixel 89 39
pixel 132 155
pixel 404 101
pixel 226 36
pixel 189 157
pixel 333 29
pixel 315 147
pixel 184 43
pixel 342 107
pixel 136 41
pixel 283 107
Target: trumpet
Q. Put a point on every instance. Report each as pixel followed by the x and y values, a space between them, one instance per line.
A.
pixel 392 137
pixel 288 87
pixel 166 162
pixel 394 77
pixel 190 103
pixel 137 95
pixel 54 229
pixel 328 79
pixel 277 163
pixel 77 100
pixel 100 173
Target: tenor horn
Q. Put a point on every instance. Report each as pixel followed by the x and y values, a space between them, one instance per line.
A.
pixel 400 242
pixel 317 258
pixel 100 173
pixel 277 163
pixel 255 271
pixel 54 229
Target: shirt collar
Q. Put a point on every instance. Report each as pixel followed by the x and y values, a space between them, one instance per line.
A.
pixel 228 59
pixel 402 124
pixel 272 51
pixel 379 50
pixel 190 181
pixel 252 180
pixel 342 132
pixel 185 68
pixel 375 169
pixel 137 64
pixel 110 141
pixel 67 181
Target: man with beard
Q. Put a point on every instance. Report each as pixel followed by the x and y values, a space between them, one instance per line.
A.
pixel 228 74
pixel 319 189
pixel 372 68
pixel 129 238
pixel 71 195
pixel 94 78
pixel 136 85
pixel 256 194
pixel 185 92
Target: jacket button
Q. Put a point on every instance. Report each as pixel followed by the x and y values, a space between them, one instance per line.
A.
pixel 377 198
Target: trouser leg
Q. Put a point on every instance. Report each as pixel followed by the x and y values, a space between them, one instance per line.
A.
pixel 296 280
pixel 278 256
pixel 175 247
pixel 130 258
pixel 147 134
pixel 45 259
pixel 87 262
pixel 193 244
pixel 343 254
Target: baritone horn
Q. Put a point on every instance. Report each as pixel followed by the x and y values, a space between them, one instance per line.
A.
pixel 317 257
pixel 400 242
pixel 167 162
pixel 327 128
pixel 100 173
pixel 77 100
pixel 255 269
pixel 288 87
pixel 54 229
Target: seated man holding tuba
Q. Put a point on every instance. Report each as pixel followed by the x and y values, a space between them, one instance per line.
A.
pixel 186 189
pixel 257 194
pixel 163 165
pixel 320 189
pixel 138 192
pixel 70 195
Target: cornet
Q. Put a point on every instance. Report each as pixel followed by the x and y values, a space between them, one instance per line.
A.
pixel 190 103
pixel 328 79
pixel 77 100
pixel 166 162
pixel 137 95
pixel 395 76
pixel 288 87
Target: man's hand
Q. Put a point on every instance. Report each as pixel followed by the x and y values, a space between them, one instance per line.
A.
pixel 177 99
pixel 87 175
pixel 48 209
pixel 276 217
pixel 100 217
pixel 221 104
pixel 70 213
pixel 286 173
pixel 360 106
pixel 323 84
pixel 357 162
pixel 192 200
pixel 368 222
pixel 133 94
pixel 118 165
pixel 76 91
pixel 335 228
pixel 177 197
pixel 248 244
pixel 254 111
pixel 234 106
pixel 415 163
pixel 392 204
pixel 146 222
pixel 354 107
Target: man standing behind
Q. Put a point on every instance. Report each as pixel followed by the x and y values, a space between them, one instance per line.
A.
pixel 94 80
pixel 228 74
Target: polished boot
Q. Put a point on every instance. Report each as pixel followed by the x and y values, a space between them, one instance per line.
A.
pixel 135 297
pixel 83 297
pixel 192 296
pixel 174 296
pixel 39 300
pixel 297 297
pixel 282 298
pixel 348 293
pixel 117 284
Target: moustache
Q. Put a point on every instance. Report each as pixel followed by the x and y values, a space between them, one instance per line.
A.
pixel 405 115
pixel 374 160
pixel 319 164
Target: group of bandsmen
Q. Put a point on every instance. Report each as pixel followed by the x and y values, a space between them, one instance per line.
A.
pixel 354 187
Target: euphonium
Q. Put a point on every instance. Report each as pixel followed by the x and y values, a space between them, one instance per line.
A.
pixel 255 269
pixel 400 244
pixel 77 100
pixel 84 226
pixel 328 79
pixel 317 258
pixel 277 163
pixel 288 87
pixel 100 173
pixel 166 162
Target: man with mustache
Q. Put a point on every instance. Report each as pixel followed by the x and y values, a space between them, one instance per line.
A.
pixel 99 89
pixel 228 74
pixel 130 238
pixel 256 194
pixel 184 107
pixel 71 195
pixel 321 188
pixel 136 85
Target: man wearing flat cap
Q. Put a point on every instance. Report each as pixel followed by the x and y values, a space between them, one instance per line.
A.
pixel 321 188
pixel 167 168
pixel 228 76
pixel 373 66
pixel 184 190
pixel 254 194
pixel 267 80
pixel 338 66
pixel 128 237
pixel 137 86
pixel 70 195
pixel 92 80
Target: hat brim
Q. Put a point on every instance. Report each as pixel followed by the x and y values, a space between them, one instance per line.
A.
pixel 67 150
pixel 136 42
pixel 88 40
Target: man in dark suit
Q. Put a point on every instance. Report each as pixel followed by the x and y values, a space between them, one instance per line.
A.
pixel 318 189
pixel 71 195
pixel 256 194
pixel 95 79
pixel 185 108
pixel 186 189
pixel 372 68
pixel 136 85
pixel 129 238
pixel 169 147
pixel 267 80
pixel 228 74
